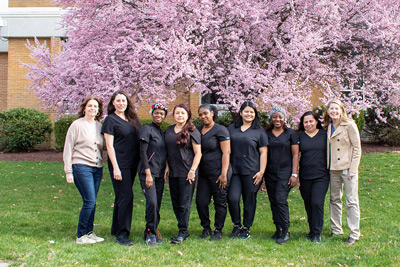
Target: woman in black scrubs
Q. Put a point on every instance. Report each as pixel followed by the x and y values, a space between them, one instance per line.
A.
pixel 120 130
pixel 314 173
pixel 248 158
pixel 151 169
pixel 214 171
pixel 183 144
pixel 281 172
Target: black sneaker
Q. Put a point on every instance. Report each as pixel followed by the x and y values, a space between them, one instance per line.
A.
pixel 179 238
pixel 235 231
pixel 244 233
pixel 316 238
pixel 217 235
pixel 309 236
pixel 283 239
pixel 206 233
pixel 277 234
pixel 151 240
pixel 124 240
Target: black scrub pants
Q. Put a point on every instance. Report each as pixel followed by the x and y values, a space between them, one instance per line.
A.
pixel 123 203
pixel 278 192
pixel 243 185
pixel 313 192
pixel 181 196
pixel 207 187
pixel 153 197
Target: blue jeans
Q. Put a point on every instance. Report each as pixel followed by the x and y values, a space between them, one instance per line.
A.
pixel 87 179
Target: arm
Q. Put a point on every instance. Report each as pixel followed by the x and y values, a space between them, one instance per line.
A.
pixel 355 142
pixel 166 172
pixel 111 155
pixel 263 164
pixel 67 154
pixel 196 161
pixel 143 155
pixel 226 151
pixel 294 181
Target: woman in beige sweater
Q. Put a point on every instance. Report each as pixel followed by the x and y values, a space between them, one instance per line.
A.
pixel 83 163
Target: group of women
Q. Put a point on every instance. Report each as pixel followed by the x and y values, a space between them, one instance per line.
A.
pixel 227 163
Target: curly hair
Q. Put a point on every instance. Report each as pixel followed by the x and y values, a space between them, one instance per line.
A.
pixel 184 136
pixel 82 107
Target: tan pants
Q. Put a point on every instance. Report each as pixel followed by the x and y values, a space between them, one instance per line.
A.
pixel 338 179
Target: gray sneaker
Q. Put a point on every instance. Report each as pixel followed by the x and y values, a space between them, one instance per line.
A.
pixel 151 240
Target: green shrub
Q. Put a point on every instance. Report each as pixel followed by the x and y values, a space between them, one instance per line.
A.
pixel 382 132
pixel 163 126
pixel 225 119
pixel 23 128
pixel 60 131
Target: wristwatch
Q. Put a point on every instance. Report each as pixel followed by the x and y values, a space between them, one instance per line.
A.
pixel 294 174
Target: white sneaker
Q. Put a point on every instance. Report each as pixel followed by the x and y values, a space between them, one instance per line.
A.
pixel 95 237
pixel 85 239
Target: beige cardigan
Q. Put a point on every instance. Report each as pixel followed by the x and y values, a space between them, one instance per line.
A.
pixel 344 147
pixel 82 148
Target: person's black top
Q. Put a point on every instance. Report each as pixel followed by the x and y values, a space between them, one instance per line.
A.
pixel 313 155
pixel 211 159
pixel 245 153
pixel 279 164
pixel 152 150
pixel 180 159
pixel 126 144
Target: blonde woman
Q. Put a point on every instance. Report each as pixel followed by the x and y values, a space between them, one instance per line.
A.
pixel 344 154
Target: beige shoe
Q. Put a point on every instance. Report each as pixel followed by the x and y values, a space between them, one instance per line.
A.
pixel 85 239
pixel 95 237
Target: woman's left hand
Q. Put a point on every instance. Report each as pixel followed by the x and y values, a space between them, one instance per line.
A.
pixel 222 180
pixel 293 181
pixel 191 176
pixel 258 178
pixel 351 175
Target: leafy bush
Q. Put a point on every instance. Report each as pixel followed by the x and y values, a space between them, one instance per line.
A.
pixel 23 128
pixel 163 126
pixel 383 132
pixel 60 131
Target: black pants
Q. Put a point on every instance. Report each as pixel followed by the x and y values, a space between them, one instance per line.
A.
pixel 243 185
pixel 181 196
pixel 123 203
pixel 153 197
pixel 278 192
pixel 207 187
pixel 313 192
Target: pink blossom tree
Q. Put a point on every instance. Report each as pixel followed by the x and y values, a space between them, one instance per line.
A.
pixel 275 52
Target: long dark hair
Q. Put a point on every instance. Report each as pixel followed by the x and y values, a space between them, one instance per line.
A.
pixel 256 122
pixel 308 113
pixel 210 108
pixel 130 112
pixel 184 136
pixel 82 107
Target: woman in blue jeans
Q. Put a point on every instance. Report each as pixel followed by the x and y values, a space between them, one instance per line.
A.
pixel 83 163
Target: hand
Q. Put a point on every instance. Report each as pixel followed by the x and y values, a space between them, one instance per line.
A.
pixel 70 178
pixel 293 181
pixel 222 180
pixel 257 178
pixel 166 173
pixel 149 181
pixel 191 176
pixel 117 174
pixel 351 175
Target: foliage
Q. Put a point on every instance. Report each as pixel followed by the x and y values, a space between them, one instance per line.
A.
pixel 269 52
pixel 385 132
pixel 60 131
pixel 23 128
pixel 40 213
pixel 163 126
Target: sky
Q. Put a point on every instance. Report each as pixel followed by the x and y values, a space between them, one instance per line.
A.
pixel 3 5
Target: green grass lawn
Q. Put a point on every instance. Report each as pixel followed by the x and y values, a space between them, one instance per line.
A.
pixel 39 215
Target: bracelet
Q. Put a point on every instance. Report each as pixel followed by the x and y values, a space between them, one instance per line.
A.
pixel 193 170
pixel 294 175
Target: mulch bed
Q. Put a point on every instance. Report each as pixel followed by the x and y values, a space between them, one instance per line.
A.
pixel 51 155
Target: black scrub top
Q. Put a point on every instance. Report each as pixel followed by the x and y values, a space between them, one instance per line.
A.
pixel 279 164
pixel 245 153
pixel 180 159
pixel 211 159
pixel 313 162
pixel 156 151
pixel 126 144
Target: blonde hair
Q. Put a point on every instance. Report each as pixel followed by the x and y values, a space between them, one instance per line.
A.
pixel 343 116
